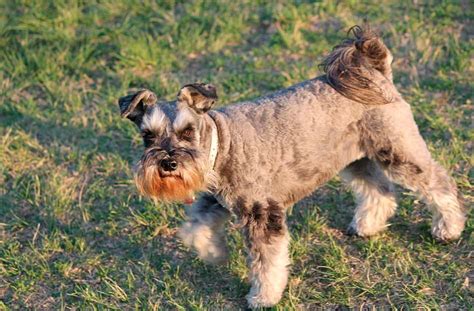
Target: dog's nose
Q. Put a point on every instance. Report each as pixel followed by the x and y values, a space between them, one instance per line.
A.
pixel 173 165
pixel 169 164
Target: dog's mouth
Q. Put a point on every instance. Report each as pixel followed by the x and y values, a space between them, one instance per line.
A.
pixel 176 174
pixel 159 183
pixel 167 174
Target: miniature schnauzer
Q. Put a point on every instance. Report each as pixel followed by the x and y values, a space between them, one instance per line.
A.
pixel 256 158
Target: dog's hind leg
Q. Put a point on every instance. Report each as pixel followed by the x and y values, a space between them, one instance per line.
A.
pixel 205 229
pixel 374 194
pixel 393 140
pixel 438 190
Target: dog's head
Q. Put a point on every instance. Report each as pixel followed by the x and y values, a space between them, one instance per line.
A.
pixel 177 138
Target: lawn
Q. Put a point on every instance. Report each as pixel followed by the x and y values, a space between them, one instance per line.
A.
pixel 74 233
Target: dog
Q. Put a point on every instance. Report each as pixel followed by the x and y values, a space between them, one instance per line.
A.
pixel 256 158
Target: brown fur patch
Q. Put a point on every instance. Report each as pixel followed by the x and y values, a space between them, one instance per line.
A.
pixel 276 218
pixel 350 65
pixel 378 146
pixel 262 221
pixel 171 188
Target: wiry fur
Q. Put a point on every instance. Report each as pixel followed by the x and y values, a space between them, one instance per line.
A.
pixel 154 121
pixel 351 67
pixel 375 196
pixel 267 240
pixel 162 128
pixel 277 149
pixel 205 229
pixel 178 187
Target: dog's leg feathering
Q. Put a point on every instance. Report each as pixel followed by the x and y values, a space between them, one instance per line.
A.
pixel 205 230
pixel 375 196
pixel 439 191
pixel 267 240
pixel 448 213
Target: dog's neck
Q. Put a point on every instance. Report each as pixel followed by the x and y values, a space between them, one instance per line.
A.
pixel 222 138
pixel 214 148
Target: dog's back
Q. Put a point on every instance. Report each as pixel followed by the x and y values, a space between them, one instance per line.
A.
pixel 307 133
pixel 358 77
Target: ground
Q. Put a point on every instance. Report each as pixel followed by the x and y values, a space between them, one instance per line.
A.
pixel 74 234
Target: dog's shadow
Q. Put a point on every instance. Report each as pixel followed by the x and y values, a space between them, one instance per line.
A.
pixel 180 273
pixel 334 204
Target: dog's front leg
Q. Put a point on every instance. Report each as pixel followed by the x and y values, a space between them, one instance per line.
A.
pixel 267 240
pixel 204 230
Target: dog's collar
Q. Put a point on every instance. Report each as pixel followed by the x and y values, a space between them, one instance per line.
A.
pixel 214 143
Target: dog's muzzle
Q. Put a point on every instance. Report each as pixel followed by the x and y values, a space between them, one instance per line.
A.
pixel 168 165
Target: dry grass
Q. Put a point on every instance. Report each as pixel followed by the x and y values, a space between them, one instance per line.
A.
pixel 74 234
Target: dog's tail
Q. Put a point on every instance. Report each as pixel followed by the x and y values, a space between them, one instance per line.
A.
pixel 350 67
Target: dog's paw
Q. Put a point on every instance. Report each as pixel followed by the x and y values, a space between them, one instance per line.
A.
pixel 355 229
pixel 209 245
pixel 351 231
pixel 446 232
pixel 364 230
pixel 262 301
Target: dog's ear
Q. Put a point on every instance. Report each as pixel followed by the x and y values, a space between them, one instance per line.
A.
pixel 198 96
pixel 134 106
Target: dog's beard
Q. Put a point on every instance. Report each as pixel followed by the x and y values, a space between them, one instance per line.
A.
pixel 180 186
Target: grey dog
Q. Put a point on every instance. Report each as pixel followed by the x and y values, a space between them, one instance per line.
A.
pixel 257 158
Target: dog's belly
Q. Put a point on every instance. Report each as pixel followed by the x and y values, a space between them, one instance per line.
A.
pixel 292 185
pixel 306 183
pixel 306 169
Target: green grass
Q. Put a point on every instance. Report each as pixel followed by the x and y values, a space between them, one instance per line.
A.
pixel 74 234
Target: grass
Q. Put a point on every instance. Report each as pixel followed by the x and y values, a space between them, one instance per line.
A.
pixel 74 234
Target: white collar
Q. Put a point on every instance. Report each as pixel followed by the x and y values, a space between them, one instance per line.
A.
pixel 214 144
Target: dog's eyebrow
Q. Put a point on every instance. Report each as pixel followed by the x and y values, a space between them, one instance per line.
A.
pixel 183 119
pixel 155 120
pixel 182 130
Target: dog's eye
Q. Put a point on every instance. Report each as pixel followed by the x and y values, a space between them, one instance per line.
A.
pixel 145 133
pixel 187 133
pixel 148 138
